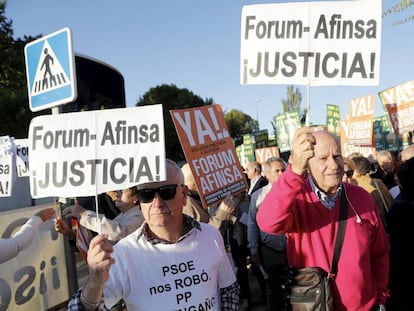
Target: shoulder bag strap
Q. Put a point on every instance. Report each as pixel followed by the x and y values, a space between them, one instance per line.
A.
pixel 343 215
pixel 381 195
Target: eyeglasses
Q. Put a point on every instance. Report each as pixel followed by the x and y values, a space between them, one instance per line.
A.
pixel 167 192
pixel 277 171
pixel 349 173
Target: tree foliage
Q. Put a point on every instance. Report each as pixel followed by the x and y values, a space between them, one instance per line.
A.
pixel 292 103
pixel 239 123
pixel 14 107
pixel 171 97
pixel 293 99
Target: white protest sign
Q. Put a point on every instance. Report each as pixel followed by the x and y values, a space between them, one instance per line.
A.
pixel 87 153
pixel 311 43
pixel 7 153
pixel 22 157
pixel 36 279
pixel 6 176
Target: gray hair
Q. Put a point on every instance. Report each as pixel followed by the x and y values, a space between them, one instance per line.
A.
pixel 177 169
pixel 177 172
pixel 274 159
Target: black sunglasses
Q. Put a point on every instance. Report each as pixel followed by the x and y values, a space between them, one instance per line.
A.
pixel 349 173
pixel 167 192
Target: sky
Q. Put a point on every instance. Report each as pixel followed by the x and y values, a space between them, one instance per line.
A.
pixel 196 45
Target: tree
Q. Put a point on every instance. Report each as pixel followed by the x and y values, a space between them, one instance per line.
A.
pixel 292 103
pixel 293 99
pixel 239 123
pixel 14 107
pixel 172 97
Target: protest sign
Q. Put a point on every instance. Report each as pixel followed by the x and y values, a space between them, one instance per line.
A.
pixel 333 117
pixel 398 101
pixel 245 151
pixel 91 152
pixel 346 148
pixel 286 126
pixel 36 278
pixel 7 165
pixel 361 113
pixel 262 154
pixel 22 157
pixel 311 43
pixel 209 151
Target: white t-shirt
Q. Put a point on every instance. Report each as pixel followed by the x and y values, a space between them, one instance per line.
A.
pixel 186 275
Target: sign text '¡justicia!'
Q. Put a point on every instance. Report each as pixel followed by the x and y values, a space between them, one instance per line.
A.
pixel 120 134
pixel 76 173
pixel 290 63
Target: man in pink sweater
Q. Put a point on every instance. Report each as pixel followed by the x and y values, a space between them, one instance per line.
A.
pixel 304 204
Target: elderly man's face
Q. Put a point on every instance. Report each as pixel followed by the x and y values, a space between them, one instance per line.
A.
pixel 386 163
pixel 164 206
pixel 327 165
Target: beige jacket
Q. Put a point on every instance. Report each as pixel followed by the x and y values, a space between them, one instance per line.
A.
pixel 368 184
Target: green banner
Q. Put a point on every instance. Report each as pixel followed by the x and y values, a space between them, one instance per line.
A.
pixel 286 125
pixel 333 117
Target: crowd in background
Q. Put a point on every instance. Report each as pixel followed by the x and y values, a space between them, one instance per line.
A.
pixel 266 228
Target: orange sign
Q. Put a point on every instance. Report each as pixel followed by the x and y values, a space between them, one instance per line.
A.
pixel 262 154
pixel 366 150
pixel 209 151
pixel 399 103
pixel 361 112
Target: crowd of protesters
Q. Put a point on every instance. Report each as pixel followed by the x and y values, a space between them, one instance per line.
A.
pixel 291 212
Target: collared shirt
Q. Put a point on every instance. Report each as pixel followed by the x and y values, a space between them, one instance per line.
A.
pixel 229 296
pixel 191 222
pixel 253 183
pixel 325 200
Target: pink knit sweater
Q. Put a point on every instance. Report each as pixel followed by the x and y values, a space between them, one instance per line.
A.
pixel 292 207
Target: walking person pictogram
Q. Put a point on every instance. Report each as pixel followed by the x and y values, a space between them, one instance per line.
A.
pixel 47 62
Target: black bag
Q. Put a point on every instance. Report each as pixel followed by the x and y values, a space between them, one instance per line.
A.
pixel 308 289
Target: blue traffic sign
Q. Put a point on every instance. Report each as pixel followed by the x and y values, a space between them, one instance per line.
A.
pixel 50 70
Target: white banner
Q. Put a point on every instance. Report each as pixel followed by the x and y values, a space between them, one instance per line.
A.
pixel 311 43
pixel 36 279
pixel 87 153
pixel 22 157
pixel 7 165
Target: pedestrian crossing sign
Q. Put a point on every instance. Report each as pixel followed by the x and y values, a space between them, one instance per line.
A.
pixel 50 70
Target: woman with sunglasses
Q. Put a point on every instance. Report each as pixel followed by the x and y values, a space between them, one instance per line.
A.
pixel 349 168
pixel 126 222
pixel 172 262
